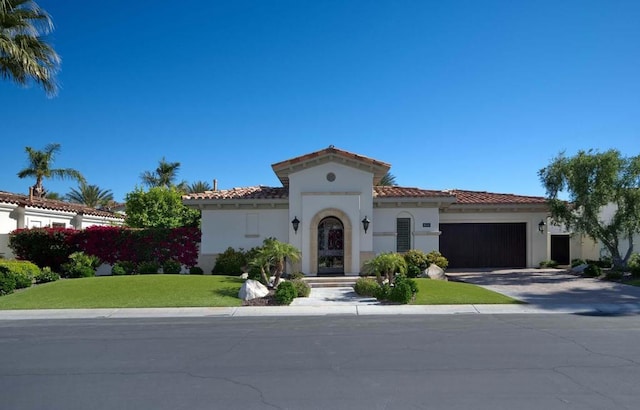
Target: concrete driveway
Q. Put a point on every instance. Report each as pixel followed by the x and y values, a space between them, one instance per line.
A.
pixel 552 287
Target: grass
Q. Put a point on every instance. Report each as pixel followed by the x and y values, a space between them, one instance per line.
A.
pixel 634 282
pixel 437 292
pixel 143 291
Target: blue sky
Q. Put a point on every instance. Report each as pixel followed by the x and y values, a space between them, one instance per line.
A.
pixel 472 95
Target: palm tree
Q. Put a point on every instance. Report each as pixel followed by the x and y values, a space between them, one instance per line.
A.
pixel 40 167
pixel 163 176
pixel 275 253
pixel 198 186
pixel 53 195
pixel 24 55
pixel 90 195
pixel 388 180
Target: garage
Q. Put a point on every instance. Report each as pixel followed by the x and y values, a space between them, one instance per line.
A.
pixel 484 245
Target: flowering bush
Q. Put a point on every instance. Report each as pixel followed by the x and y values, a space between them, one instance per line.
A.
pixel 111 244
pixel 43 246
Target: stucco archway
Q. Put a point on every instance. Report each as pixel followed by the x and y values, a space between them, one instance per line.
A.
pixel 313 246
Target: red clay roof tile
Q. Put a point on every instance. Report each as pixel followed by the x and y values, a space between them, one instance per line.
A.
pixel 481 197
pixel 43 203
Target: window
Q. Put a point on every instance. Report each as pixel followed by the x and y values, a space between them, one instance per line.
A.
pixel 58 225
pixel 403 234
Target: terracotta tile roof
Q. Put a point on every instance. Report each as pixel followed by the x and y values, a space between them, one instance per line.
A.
pixel 43 203
pixel 481 197
pixel 405 192
pixel 283 168
pixel 253 192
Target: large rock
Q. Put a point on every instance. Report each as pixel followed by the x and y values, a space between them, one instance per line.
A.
pixel 434 272
pixel 579 268
pixel 252 289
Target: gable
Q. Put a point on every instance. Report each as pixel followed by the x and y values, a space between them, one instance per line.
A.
pixel 285 168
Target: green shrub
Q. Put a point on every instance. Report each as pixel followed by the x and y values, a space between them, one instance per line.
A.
pixel 24 272
pixel 592 271
pixel 7 281
pixel 80 265
pixel 128 266
pixel 295 276
pixel 285 293
pixel 148 267
pixel 117 269
pixel 548 264
pixel 404 279
pixel 366 287
pixel 302 288
pixel 634 265
pixel 438 259
pixel 613 275
pixel 382 292
pixel 577 262
pixel 401 293
pixel 196 270
pixel 605 261
pixel 601 263
pixel 417 262
pixel 171 267
pixel 230 262
pixel 46 275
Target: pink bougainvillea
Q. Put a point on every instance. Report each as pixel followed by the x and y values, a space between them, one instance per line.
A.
pixel 52 246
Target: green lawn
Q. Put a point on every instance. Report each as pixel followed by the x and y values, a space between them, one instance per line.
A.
pixel 128 292
pixel 635 282
pixel 438 292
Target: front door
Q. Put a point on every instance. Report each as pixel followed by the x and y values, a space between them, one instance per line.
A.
pixel 330 246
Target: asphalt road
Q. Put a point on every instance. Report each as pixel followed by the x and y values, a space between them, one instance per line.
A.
pixel 391 362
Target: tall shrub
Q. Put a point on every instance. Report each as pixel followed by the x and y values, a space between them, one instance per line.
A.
pixel 43 246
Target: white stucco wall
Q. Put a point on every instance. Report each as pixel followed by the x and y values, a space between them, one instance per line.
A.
pixel 537 243
pixel 423 238
pixel 606 213
pixel 6 225
pixel 239 228
pixel 311 193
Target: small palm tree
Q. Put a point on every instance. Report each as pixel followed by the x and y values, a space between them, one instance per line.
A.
pixel 277 253
pixel 163 176
pixel 198 186
pixel 90 195
pixel 388 180
pixel 24 54
pixel 40 167
pixel 53 195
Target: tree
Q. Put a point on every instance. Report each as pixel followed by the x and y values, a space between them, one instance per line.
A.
pixel 388 180
pixel 272 256
pixel 53 195
pixel 24 54
pixel 158 208
pixel 40 163
pixel 386 265
pixel 594 180
pixel 198 186
pixel 90 195
pixel 163 176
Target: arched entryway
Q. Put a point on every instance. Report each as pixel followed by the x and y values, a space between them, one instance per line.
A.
pixel 346 238
pixel 330 246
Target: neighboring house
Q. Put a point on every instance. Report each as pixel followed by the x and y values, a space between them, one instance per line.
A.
pixel 330 208
pixel 22 211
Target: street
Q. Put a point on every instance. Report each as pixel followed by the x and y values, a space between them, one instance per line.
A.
pixel 392 362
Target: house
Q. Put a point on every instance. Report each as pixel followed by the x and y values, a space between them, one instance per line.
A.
pixel 23 211
pixel 330 207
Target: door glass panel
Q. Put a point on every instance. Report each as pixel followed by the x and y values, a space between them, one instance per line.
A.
pixel 330 246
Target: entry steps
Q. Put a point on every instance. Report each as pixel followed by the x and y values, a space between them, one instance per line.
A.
pixel 331 281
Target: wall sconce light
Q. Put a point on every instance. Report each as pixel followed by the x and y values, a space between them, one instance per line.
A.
pixel 365 224
pixel 541 226
pixel 296 224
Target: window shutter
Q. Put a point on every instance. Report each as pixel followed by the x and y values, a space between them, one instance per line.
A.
pixel 403 234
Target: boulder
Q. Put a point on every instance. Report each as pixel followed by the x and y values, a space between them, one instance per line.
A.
pixel 434 272
pixel 273 278
pixel 244 276
pixel 252 289
pixel 579 268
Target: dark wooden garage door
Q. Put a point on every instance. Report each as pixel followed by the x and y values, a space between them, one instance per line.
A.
pixel 484 245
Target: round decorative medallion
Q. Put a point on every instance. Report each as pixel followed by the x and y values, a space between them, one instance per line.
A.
pixel 331 177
